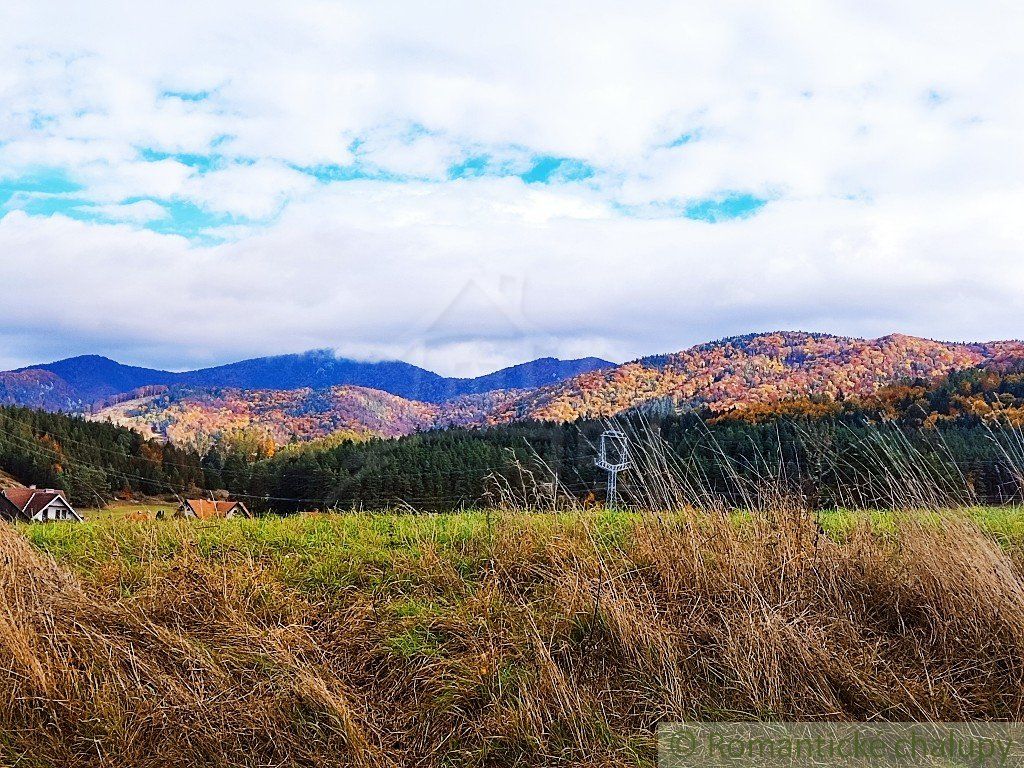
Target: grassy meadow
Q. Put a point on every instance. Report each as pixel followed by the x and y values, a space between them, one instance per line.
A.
pixel 363 542
pixel 492 639
pixel 122 510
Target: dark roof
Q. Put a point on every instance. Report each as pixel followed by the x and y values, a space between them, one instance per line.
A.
pixel 41 499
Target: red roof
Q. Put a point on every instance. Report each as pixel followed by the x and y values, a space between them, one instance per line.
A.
pixel 19 497
pixel 30 501
pixel 206 509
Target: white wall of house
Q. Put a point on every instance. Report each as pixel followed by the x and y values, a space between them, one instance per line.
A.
pixel 57 509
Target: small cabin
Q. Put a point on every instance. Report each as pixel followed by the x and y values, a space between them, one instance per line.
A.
pixel 36 505
pixel 205 509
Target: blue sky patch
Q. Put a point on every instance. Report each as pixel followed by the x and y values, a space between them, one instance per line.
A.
pixel 733 205
pixel 201 163
pixel 547 169
pixel 46 181
pixel 185 95
pixel 49 192
pixel 357 171
pixel 471 167
pixel 684 138
pixel 188 220
pixel 49 205
pixel 713 210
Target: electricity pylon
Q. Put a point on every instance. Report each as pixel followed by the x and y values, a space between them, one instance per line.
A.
pixel 613 457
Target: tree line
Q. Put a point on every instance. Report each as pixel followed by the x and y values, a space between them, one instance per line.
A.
pixel 91 461
pixel 958 439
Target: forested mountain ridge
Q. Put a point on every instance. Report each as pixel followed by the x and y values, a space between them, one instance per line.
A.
pixel 92 377
pixel 196 418
pixel 960 433
pixel 743 371
pixel 756 368
pixel 768 368
pixel 77 383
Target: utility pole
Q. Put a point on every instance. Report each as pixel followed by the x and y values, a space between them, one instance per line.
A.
pixel 613 457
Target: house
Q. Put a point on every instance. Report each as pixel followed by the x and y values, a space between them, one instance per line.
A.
pixel 205 509
pixel 36 504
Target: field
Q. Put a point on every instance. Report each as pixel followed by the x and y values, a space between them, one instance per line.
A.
pixel 492 639
pixel 121 510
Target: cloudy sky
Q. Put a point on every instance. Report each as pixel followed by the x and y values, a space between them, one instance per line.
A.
pixel 468 185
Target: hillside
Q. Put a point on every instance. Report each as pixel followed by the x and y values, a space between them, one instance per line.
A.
pixel 958 436
pixel 721 375
pixel 78 383
pixel 38 389
pixel 92 462
pixel 537 373
pixel 196 417
pixel 89 378
pixel 759 368
pixel 961 432
pixel 321 369
pixel 9 481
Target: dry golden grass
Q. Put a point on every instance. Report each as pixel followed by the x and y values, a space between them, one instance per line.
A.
pixel 487 640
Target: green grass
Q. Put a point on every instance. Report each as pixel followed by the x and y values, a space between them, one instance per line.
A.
pixel 1005 524
pixel 417 642
pixel 119 510
pixel 517 638
pixel 329 553
pixel 328 540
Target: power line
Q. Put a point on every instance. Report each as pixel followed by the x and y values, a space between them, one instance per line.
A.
pixel 351 489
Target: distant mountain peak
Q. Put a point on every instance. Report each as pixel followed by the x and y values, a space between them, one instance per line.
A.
pixel 88 379
pixel 70 361
pixel 322 387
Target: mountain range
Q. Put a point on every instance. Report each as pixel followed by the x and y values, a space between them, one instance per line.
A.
pixel 756 368
pixel 315 394
pixel 77 383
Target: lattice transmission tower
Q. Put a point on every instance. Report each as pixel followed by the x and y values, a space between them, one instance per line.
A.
pixel 613 457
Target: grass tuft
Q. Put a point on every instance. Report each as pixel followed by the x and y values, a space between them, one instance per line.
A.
pixel 493 639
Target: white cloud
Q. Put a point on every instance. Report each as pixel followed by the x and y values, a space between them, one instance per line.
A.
pixel 251 191
pixel 140 212
pixel 890 138
pixel 325 277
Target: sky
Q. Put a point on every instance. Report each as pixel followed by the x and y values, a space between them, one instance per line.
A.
pixel 471 185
